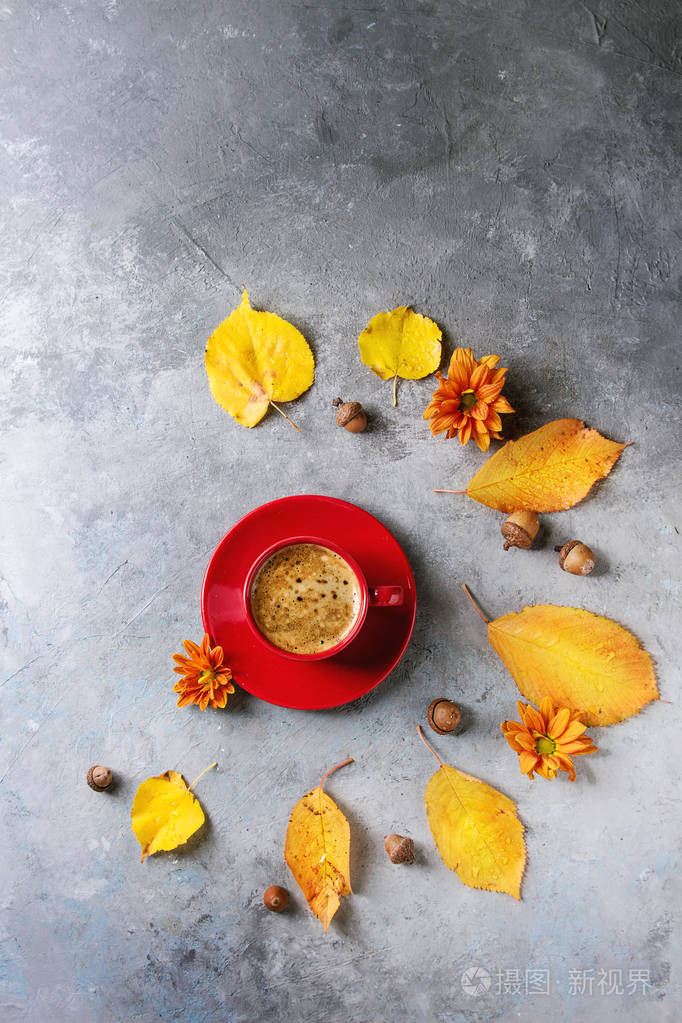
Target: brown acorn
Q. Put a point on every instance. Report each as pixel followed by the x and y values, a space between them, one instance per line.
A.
pixel 443 715
pixel 520 529
pixel 276 898
pixel 350 415
pixel 576 557
pixel 99 778
pixel 399 848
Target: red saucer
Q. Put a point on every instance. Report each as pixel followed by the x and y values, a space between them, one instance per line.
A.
pixel 365 662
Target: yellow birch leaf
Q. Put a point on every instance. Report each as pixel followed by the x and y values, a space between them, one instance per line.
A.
pixel 164 813
pixel 254 359
pixel 476 830
pixel 401 343
pixel 578 659
pixel 547 470
pixel 317 850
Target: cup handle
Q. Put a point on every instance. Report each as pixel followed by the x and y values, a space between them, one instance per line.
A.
pixel 385 596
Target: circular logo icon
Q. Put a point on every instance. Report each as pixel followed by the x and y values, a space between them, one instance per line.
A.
pixel 476 981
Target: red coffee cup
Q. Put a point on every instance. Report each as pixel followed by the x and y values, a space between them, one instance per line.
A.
pixel 375 596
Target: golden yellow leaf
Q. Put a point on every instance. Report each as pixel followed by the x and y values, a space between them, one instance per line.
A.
pixel 578 659
pixel 548 470
pixel 164 813
pixel 317 850
pixel 401 343
pixel 476 830
pixel 254 359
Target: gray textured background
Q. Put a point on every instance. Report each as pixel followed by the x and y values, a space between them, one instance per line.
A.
pixel 507 168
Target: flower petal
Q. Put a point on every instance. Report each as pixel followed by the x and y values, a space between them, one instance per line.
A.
pixel 440 423
pixel 192 649
pixel 502 405
pixel 528 762
pixel 478 377
pixel 534 720
pixel 489 392
pixel 480 411
pixel 571 748
pixel 514 734
pixel 558 722
pixel 566 764
pixel 546 710
pixel 573 731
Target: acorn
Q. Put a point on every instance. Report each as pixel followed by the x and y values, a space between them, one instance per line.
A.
pixel 399 848
pixel 99 778
pixel 443 715
pixel 276 898
pixel 520 529
pixel 350 415
pixel 576 557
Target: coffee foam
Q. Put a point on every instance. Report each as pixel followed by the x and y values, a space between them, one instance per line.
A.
pixel 305 598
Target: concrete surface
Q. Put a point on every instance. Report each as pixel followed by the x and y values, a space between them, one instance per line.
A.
pixel 508 169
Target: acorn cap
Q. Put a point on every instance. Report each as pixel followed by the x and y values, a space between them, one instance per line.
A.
pixel 99 778
pixel 516 536
pixel 346 411
pixel 520 529
pixel 566 550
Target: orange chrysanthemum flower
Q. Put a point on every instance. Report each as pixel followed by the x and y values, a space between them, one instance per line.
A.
pixel 468 400
pixel 205 679
pixel 547 739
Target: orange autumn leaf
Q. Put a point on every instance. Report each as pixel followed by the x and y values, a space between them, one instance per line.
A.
pixel 317 851
pixel 254 359
pixel 476 830
pixel 578 659
pixel 547 470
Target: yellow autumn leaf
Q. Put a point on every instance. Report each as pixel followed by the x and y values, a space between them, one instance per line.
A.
pixel 547 470
pixel 476 830
pixel 254 359
pixel 165 813
pixel 317 850
pixel 576 658
pixel 401 343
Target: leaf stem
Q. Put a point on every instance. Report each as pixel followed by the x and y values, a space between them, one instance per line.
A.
pixel 421 736
pixel 332 769
pixel 395 391
pixel 205 771
pixel 475 605
pixel 449 491
pixel 285 416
